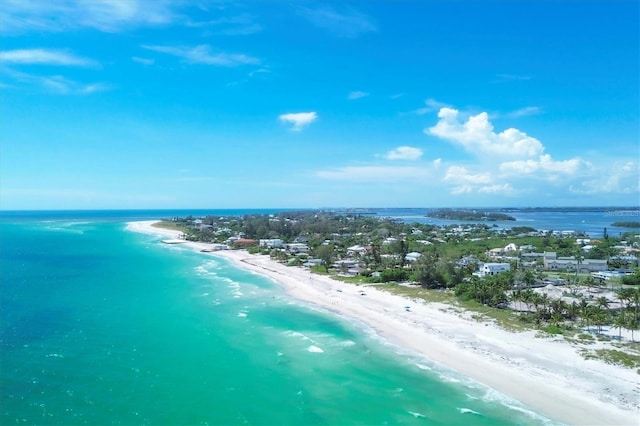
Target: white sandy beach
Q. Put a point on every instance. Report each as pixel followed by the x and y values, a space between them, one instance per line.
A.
pixel 548 375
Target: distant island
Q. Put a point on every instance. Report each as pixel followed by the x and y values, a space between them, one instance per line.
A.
pixel 469 215
pixel 628 224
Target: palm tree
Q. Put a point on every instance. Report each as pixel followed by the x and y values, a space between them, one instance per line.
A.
pixel 602 302
pixel 599 317
pixel 619 322
pixel 632 324
pixel 572 310
pixel 556 318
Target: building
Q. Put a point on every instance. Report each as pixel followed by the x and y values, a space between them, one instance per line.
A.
pixel 486 269
pixel 271 243
pixel 552 262
pixel 413 256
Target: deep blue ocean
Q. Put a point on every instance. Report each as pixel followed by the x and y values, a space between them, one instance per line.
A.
pixel 100 325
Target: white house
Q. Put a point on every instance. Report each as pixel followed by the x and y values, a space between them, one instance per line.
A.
pixel 492 269
pixel 510 247
pixel 271 243
pixel 356 250
pixel 413 256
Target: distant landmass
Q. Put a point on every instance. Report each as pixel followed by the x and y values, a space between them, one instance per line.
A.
pixel 469 215
pixel 628 224
pixel 631 210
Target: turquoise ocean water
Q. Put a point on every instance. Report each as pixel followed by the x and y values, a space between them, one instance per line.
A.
pixel 99 325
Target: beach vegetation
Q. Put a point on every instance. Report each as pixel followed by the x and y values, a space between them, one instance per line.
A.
pixel 617 357
pixel 171 225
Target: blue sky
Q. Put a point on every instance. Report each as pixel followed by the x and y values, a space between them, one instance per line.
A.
pixel 284 104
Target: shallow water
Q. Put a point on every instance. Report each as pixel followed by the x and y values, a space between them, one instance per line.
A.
pixel 104 326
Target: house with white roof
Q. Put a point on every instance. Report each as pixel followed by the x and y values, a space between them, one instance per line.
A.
pixel 486 269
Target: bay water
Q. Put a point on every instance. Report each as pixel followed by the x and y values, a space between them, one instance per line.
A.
pixel 100 325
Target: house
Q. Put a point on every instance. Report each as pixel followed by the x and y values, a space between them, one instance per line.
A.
pixel 532 256
pixel 467 260
pixel 271 243
pixel 496 252
pixel 492 269
pixel 510 247
pixel 356 250
pixel 554 263
pixel 244 242
pixel 413 256
pixel 297 248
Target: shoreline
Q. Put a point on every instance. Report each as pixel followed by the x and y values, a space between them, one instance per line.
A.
pixel 545 374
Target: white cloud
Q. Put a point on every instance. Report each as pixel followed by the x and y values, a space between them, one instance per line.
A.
pixel 143 61
pixel 298 119
pixel 462 189
pixel 437 162
pixel 503 189
pixel 375 173
pixel 616 178
pixel 58 84
pixel 544 164
pixel 357 95
pixel 460 175
pixel 523 112
pixel 346 23
pixel 404 153
pixel 19 16
pixel 476 135
pixel 430 106
pixel 202 55
pixel 45 57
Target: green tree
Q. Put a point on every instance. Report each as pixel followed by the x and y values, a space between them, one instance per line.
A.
pixel 326 254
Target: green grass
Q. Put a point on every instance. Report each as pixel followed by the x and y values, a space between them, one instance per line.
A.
pixel 166 224
pixel 613 356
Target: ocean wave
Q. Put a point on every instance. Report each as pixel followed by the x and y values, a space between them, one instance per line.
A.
pixel 491 395
pixel 468 411
pixel 314 349
pixel 417 415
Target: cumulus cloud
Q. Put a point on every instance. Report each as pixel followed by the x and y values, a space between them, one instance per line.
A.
pixel 404 153
pixel 619 178
pixel 544 164
pixel 202 55
pixel 357 95
pixel 460 175
pixel 299 119
pixel 476 135
pixel 45 57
